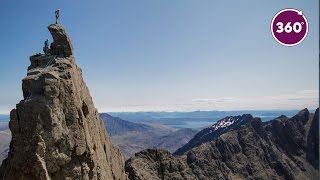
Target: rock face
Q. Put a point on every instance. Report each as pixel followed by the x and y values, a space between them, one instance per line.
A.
pixel 61 43
pixel 56 130
pixel 158 164
pixel 283 148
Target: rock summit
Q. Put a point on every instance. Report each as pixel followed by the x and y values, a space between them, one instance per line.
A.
pixel 56 130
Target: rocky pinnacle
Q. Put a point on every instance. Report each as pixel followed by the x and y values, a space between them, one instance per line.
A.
pixel 56 130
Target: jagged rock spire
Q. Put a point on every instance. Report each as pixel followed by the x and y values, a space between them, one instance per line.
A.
pixel 56 130
pixel 61 42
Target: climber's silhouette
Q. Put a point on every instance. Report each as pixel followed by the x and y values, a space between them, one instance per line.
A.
pixel 46 43
pixel 57 12
pixel 46 47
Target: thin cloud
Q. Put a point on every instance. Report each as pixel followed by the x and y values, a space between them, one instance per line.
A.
pixel 213 100
pixel 293 100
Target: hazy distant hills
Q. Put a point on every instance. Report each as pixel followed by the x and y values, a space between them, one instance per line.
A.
pixel 4 126
pixel 145 116
pixel 195 119
pixel 133 137
pixel 5 137
pixel 117 126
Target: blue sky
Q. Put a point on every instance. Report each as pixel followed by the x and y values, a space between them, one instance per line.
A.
pixel 171 55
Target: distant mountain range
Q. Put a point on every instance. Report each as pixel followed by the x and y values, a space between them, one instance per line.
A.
pixel 146 116
pixel 117 126
pixel 196 119
pixel 5 137
pixel 239 147
pixel 4 126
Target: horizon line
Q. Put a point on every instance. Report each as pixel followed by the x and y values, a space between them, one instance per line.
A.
pixel 173 111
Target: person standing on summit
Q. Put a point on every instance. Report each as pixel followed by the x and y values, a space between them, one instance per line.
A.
pixel 57 12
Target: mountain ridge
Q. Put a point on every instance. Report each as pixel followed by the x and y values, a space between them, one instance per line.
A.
pixel 224 125
pixel 283 148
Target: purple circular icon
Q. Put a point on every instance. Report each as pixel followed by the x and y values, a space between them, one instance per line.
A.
pixel 289 27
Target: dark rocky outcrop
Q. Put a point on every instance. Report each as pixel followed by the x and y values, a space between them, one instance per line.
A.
pixel 157 164
pixel 56 130
pixel 283 148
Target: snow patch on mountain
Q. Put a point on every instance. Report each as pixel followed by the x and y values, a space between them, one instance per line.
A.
pixel 223 123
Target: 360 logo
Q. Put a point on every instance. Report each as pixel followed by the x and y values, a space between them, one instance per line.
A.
pixel 289 27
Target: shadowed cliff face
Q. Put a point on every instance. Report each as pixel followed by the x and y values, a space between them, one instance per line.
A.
pixel 56 130
pixel 284 148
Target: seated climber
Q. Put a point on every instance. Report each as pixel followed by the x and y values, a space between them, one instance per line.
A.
pixel 46 49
